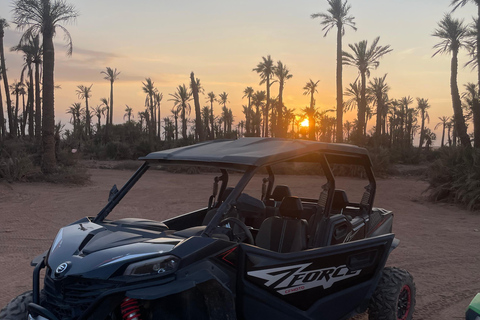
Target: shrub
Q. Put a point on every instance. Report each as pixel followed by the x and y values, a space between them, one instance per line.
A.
pixel 455 177
pixel 15 163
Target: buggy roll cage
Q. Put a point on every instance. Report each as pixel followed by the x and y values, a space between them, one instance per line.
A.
pixel 324 202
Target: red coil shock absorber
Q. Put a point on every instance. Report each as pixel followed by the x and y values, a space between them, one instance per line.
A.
pixel 130 309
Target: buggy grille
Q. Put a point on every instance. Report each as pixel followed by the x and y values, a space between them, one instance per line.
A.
pixel 70 297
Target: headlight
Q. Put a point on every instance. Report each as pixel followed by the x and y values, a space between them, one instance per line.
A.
pixel 159 265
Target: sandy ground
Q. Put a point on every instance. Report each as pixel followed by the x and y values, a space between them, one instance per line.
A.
pixel 439 243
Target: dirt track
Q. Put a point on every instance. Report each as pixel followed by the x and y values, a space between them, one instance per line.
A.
pixel 439 243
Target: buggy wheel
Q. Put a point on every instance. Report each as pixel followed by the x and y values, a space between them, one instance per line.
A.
pixel 394 297
pixel 16 309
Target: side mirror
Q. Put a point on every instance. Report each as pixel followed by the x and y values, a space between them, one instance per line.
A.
pixel 112 192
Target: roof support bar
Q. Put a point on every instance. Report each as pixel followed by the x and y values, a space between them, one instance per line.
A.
pixel 120 194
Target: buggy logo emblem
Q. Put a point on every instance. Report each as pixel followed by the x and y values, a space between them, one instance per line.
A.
pixel 61 268
pixel 293 279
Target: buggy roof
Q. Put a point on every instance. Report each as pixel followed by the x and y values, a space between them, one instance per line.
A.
pixel 245 152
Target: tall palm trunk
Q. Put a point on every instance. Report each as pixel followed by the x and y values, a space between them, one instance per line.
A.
pixel 184 121
pixel 311 118
pixel 88 130
pixel 422 131
pixel 30 104
pixel 476 122
pixel 443 135
pixel 152 124
pixel 198 116
pixel 476 106
pixel 48 121
pixel 457 103
pixel 15 115
pixel 110 110
pixel 211 120
pixel 362 108
pixel 378 124
pixel 38 106
pixel 280 131
pixel 176 126
pixel 159 122
pixel 267 109
pixel 339 137
pixel 2 119
pixel 5 83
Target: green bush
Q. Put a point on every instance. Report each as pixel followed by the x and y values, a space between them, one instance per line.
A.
pixel 455 177
pixel 15 163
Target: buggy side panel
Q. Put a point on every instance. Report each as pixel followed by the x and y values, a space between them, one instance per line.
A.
pixel 329 281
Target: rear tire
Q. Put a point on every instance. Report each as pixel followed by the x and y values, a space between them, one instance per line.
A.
pixel 16 309
pixel 394 297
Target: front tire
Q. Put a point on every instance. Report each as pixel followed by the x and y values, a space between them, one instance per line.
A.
pixel 17 308
pixel 394 297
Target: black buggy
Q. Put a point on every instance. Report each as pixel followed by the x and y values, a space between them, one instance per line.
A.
pixel 274 255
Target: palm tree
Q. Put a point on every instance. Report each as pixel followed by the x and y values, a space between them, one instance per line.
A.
pixel 353 91
pixel 452 32
pixel 310 89
pixel 422 106
pixel 180 101
pixel 223 99
pixel 16 90
pixel 443 122
pixel 128 113
pixel 248 92
pixel 265 69
pixel 196 87
pixel 337 16
pixel 258 99
pixel 175 116
pixel 405 124
pixel 364 58
pixel 3 129
pixel 110 75
pixel 378 89
pixel 206 120
pixel 283 74
pixel 151 91
pixel 99 112
pixel 348 128
pixel 158 101
pixel 84 92
pixel 33 55
pixel 45 17
pixel 106 105
pixel 76 111
pixel 211 98
pixel 460 3
pixel 471 98
pixel 3 26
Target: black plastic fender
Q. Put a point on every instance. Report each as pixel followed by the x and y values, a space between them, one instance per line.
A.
pixel 186 279
pixel 206 278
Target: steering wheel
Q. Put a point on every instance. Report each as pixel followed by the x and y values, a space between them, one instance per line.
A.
pixel 246 235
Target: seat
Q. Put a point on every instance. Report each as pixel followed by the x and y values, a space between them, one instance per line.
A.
pixel 274 201
pixel 287 232
pixel 213 211
pixel 340 201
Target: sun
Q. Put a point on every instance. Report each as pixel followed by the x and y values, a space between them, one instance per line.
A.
pixel 305 123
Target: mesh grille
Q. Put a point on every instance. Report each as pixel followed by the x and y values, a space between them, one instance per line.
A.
pixel 70 297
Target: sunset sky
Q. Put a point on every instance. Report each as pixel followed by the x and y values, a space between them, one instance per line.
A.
pixel 222 41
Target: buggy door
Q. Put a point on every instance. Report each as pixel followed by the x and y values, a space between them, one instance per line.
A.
pixel 321 283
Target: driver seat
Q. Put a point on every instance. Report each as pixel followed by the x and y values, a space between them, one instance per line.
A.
pixel 287 232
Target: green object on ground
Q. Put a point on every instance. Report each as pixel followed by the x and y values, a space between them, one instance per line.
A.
pixel 473 311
